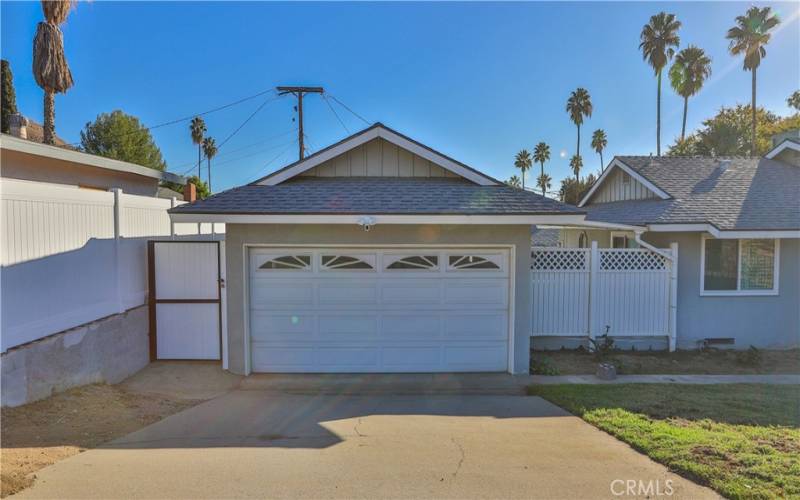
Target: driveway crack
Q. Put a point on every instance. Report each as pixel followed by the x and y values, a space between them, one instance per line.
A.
pixel 461 460
pixel 355 428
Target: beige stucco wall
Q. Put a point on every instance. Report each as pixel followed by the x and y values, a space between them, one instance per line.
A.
pixel 17 165
pixel 237 235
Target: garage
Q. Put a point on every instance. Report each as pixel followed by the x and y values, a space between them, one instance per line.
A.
pixel 348 310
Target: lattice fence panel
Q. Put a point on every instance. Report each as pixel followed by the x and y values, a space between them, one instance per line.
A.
pixel 632 260
pixel 560 259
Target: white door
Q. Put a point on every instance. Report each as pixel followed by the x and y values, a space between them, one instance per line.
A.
pixel 378 310
pixel 185 300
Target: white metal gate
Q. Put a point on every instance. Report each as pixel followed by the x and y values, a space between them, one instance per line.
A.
pixel 185 299
pixel 630 292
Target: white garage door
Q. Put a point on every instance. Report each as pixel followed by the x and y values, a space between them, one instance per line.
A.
pixel 379 310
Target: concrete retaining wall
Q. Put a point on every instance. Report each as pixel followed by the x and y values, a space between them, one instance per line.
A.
pixel 107 350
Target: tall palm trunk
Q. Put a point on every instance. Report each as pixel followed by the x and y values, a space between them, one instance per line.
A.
pixel 542 175
pixel 753 110
pixel 209 175
pixel 658 117
pixel 523 180
pixel 578 149
pixel 685 109
pixel 49 132
pixel 602 164
pixel 199 159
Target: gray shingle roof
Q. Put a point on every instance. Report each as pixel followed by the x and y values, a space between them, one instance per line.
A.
pixel 749 194
pixel 377 195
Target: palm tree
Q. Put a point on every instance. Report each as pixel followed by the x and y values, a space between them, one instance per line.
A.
pixel 543 182
pixel 793 101
pixel 658 42
pixel 576 164
pixel 579 105
pixel 514 182
pixel 210 150
pixel 599 143
pixel 198 129
pixel 541 154
pixel 523 162
pixel 687 76
pixel 749 37
pixel 50 68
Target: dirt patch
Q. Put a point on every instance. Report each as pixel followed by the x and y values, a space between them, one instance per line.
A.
pixel 42 433
pixel 578 362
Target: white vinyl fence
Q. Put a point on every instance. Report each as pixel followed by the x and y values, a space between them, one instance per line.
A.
pixel 70 255
pixel 584 292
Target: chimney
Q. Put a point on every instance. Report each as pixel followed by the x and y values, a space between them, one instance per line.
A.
pixel 189 192
pixel 18 126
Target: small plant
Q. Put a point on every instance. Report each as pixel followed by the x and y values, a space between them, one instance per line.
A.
pixel 751 357
pixel 602 346
pixel 544 367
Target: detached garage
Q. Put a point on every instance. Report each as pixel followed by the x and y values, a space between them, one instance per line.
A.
pixel 377 254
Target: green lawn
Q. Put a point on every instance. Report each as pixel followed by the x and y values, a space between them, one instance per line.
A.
pixel 742 440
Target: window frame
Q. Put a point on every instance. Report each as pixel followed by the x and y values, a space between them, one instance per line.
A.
pixel 629 238
pixel 776 265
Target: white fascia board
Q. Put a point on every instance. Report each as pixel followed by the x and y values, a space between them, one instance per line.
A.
pixel 786 144
pixel 367 136
pixel 313 161
pixel 12 143
pixel 633 173
pixel 555 219
pixel 725 235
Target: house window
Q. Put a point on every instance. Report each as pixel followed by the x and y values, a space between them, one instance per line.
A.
pixel 415 262
pixel 288 262
pixel 623 240
pixel 337 262
pixel 583 240
pixel 739 267
pixel 471 262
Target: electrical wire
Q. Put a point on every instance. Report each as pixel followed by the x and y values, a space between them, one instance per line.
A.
pixel 348 109
pixel 193 163
pixel 247 120
pixel 257 176
pixel 325 98
pixel 187 118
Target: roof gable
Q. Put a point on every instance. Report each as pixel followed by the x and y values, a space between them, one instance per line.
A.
pixel 326 159
pixel 644 187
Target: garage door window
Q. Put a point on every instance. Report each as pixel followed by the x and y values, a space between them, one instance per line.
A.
pixel 288 262
pixel 415 263
pixel 347 262
pixel 471 262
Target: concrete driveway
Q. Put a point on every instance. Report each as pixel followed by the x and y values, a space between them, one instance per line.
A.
pixel 251 443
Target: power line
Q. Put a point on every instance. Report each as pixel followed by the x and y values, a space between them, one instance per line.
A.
pixel 193 163
pixel 187 118
pixel 348 109
pixel 247 120
pixel 325 98
pixel 251 179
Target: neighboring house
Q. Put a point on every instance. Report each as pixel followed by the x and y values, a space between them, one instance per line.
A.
pixel 378 254
pixel 737 223
pixel 27 160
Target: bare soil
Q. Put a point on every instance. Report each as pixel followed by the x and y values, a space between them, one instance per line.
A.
pixel 39 434
pixel 721 362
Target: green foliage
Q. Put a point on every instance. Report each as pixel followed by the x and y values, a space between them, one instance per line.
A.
pixel 793 101
pixel 8 106
pixel 602 346
pixel 514 182
pixel 572 190
pixel 728 133
pixel 202 188
pixel 751 357
pixel 122 137
pixel 523 162
pixel 544 366
pixel 739 439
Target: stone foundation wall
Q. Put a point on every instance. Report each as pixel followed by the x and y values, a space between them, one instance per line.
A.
pixel 105 351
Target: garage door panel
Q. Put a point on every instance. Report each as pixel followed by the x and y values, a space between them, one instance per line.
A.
pixel 476 327
pixel 489 293
pixel 402 319
pixel 266 294
pixel 411 326
pixel 265 326
pixel 341 292
pixel 406 292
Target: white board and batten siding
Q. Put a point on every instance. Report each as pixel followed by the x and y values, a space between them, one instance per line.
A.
pixel 378 158
pixel 70 256
pixel 434 315
pixel 620 186
pixel 583 292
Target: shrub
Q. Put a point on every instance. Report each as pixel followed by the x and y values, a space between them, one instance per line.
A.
pixel 751 357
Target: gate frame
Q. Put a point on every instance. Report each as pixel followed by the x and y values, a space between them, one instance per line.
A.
pixel 152 301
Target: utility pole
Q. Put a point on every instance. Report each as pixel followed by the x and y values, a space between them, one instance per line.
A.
pixel 299 92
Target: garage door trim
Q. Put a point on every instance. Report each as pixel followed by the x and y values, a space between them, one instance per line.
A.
pixel 247 247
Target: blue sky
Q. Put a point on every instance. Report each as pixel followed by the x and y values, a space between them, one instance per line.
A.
pixel 477 81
